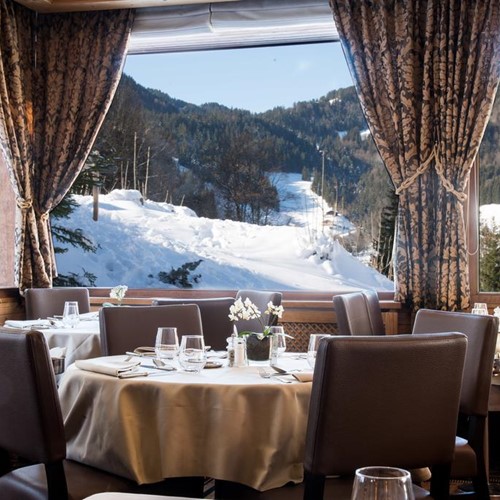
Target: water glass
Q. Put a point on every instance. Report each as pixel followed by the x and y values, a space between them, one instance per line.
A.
pixel 71 315
pixel 167 342
pixel 313 347
pixel 280 333
pixel 480 308
pixel 382 483
pixel 192 354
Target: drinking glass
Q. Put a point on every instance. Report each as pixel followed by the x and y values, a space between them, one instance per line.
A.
pixel 192 354
pixel 280 332
pixel 167 342
pixel 480 308
pixel 382 483
pixel 313 347
pixel 71 315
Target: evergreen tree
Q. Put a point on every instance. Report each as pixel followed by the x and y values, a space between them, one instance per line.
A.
pixel 489 272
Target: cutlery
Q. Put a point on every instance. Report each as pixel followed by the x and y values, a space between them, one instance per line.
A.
pixel 282 371
pixel 276 376
pixel 165 368
pixel 140 354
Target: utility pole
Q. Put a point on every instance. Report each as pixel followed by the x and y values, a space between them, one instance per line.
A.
pixel 134 165
pixel 322 172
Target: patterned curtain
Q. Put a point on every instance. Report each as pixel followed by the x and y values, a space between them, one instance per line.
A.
pixel 55 87
pixel 426 72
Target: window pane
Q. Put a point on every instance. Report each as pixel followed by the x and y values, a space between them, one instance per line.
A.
pixel 251 168
pixel 489 205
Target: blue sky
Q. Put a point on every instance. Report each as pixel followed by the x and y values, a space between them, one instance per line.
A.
pixel 254 79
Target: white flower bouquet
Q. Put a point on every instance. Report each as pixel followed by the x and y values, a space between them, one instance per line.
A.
pixel 118 293
pixel 246 310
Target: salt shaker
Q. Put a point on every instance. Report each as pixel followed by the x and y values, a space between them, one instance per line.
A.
pixel 230 349
pixel 274 349
pixel 240 352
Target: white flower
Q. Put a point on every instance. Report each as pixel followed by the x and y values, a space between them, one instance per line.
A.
pixel 118 292
pixel 246 310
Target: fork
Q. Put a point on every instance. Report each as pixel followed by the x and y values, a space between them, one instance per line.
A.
pixel 264 374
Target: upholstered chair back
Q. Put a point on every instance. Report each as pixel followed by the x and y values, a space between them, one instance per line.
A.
pixel 45 302
pixel 358 313
pixel 217 326
pixel 124 328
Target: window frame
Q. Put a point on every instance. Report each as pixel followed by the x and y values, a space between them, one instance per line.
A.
pixel 472 231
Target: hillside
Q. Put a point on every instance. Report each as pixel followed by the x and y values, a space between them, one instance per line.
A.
pixel 222 162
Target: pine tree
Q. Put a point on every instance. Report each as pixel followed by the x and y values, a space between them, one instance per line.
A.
pixel 489 271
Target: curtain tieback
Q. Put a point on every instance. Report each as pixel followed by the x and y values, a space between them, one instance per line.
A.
pixel 461 196
pixel 24 204
pixel 44 217
pixel 420 170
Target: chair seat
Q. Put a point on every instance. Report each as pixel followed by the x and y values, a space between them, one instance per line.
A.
pixel 29 483
pixel 464 463
pixel 335 488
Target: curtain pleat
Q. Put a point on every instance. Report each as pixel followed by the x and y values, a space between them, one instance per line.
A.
pixel 58 75
pixel 426 72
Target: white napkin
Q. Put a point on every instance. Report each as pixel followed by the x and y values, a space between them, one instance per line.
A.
pixel 303 376
pixel 34 323
pixel 114 367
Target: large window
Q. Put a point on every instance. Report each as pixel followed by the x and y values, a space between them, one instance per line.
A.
pixel 267 146
pixel 489 205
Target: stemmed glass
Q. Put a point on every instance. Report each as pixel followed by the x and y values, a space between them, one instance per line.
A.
pixel 382 483
pixel 280 333
pixel 71 315
pixel 167 343
pixel 313 347
pixel 192 354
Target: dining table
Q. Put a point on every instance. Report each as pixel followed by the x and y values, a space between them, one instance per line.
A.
pixel 79 342
pixel 245 424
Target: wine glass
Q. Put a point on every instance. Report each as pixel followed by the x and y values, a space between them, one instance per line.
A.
pixel 382 483
pixel 312 349
pixel 71 315
pixel 192 354
pixel 280 333
pixel 167 342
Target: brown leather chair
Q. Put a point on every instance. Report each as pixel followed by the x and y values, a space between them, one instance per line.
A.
pixel 45 302
pixel 470 452
pixel 374 312
pixel 217 326
pixel 124 328
pixel 31 428
pixel 390 400
pixel 260 298
pixel 358 313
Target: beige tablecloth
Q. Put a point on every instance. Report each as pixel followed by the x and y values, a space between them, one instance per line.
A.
pixel 224 423
pixel 81 342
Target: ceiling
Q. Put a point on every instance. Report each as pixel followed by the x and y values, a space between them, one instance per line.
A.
pixel 51 6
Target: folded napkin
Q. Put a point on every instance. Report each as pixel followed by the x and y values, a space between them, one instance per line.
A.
pixel 303 376
pixel 114 367
pixel 34 323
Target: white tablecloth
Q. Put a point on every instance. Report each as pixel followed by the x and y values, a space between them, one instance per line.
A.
pixel 224 423
pixel 81 342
